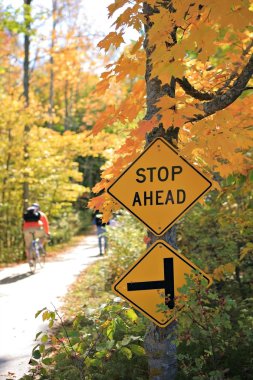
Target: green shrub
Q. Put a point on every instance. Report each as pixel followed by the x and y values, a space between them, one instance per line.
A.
pixel 126 244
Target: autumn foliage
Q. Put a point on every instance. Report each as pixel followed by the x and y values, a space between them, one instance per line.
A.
pixel 199 61
pixel 45 128
pixel 189 73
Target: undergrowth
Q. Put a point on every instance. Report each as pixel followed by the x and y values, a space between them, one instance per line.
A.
pixel 98 336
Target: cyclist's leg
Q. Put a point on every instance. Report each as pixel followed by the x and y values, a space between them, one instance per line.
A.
pixel 32 256
pixel 28 241
pixel 30 235
pixel 41 236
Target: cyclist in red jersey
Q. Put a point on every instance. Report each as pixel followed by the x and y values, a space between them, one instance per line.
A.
pixel 39 228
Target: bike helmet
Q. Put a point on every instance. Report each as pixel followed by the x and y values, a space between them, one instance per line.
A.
pixel 36 205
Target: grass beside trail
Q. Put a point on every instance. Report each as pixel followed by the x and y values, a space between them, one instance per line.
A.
pixel 88 291
pixel 54 250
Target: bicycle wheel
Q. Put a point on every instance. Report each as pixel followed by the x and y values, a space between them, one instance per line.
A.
pixel 33 260
pixel 41 257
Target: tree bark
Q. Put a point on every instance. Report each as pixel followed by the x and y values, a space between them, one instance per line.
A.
pixel 66 105
pixel 26 85
pixel 159 342
pixel 51 86
pixel 222 101
pixel 223 97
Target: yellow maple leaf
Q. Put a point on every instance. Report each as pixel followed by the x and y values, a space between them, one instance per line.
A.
pixel 115 6
pixel 166 102
pixel 248 248
pixel 144 126
pixel 220 272
pixel 137 45
pixel 96 202
pixel 113 38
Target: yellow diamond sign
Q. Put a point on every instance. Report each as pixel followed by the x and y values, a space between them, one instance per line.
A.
pixel 159 186
pixel 155 279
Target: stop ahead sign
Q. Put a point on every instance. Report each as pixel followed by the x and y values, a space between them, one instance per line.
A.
pixel 159 186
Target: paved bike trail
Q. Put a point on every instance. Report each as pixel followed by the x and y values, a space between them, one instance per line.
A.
pixel 22 294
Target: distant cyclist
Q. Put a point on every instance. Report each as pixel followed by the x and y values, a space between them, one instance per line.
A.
pixel 35 224
pixel 101 232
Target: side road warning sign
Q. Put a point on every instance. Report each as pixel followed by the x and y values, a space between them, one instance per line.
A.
pixel 159 186
pixel 155 279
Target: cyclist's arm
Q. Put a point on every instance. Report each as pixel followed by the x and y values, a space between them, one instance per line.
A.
pixel 44 220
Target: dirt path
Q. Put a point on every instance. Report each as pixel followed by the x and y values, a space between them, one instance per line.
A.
pixel 22 294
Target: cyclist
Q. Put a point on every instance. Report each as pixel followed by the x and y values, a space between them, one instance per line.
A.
pixel 35 226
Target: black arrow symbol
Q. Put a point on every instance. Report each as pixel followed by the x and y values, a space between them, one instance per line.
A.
pixel 167 284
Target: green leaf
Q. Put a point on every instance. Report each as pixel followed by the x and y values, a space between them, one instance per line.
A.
pixel 126 352
pixel 110 344
pixel 36 354
pixel 45 315
pixel 47 361
pixel 92 362
pixel 42 348
pixel 33 362
pixel 137 350
pixel 38 334
pixel 121 325
pixel 131 314
pixel 100 354
pixel 126 340
pixel 39 312
pixel 44 339
pixel 111 329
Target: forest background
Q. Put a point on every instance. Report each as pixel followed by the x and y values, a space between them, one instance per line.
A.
pixel 189 70
pixel 48 145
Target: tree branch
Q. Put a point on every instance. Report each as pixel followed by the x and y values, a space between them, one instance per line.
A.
pixel 190 90
pixel 219 100
pixel 224 100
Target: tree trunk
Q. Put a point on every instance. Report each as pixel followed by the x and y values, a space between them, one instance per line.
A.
pixel 26 82
pixel 159 342
pixel 66 104
pixel 51 86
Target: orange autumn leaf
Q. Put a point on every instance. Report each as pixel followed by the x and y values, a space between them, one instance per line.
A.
pixel 115 6
pixel 113 38
pixel 96 202
pixel 203 55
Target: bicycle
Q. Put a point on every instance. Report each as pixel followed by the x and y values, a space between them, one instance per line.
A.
pixel 37 254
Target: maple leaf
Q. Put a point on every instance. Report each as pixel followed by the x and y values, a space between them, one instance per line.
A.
pixel 223 270
pixel 102 86
pixel 166 102
pixel 113 38
pixel 104 119
pixel 144 126
pixel 96 202
pixel 130 67
pixel 137 45
pixel 129 17
pixel 115 6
